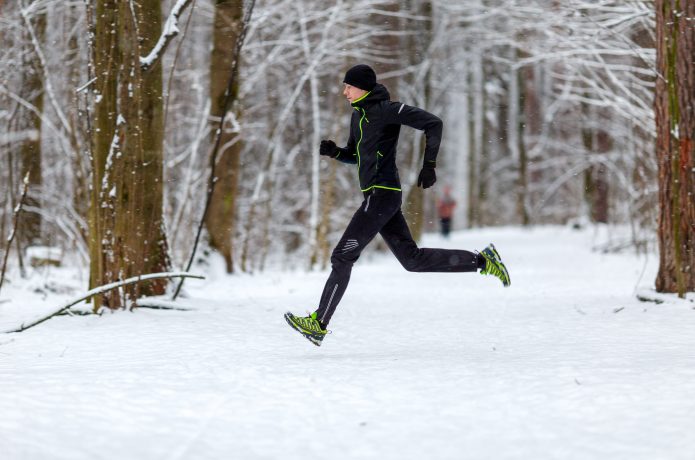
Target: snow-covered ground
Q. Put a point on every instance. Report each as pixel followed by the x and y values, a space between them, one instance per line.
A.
pixel 565 364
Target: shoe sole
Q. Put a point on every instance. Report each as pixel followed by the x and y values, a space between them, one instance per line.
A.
pixel 504 267
pixel 304 334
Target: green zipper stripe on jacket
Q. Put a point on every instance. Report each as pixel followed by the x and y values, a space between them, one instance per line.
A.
pixel 361 97
pixel 380 186
pixel 364 114
pixel 359 160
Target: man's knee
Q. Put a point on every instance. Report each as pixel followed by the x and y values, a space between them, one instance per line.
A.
pixel 408 255
pixel 346 253
pixel 410 264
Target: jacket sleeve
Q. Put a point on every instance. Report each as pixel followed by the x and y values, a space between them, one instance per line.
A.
pixel 402 114
pixel 348 154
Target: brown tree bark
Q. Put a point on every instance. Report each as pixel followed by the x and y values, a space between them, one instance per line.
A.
pixel 126 215
pixel 30 148
pixel 328 198
pixel 476 158
pixel 81 126
pixel 529 129
pixel 221 216
pixel 414 200
pixel 596 186
pixel 675 144
pixel 105 58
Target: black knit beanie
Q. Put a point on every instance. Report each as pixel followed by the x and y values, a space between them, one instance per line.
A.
pixel 361 76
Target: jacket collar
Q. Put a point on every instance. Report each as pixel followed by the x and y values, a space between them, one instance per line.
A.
pixel 378 94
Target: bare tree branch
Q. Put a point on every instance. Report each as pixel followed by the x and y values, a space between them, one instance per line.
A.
pixel 17 210
pixel 170 31
pixel 101 290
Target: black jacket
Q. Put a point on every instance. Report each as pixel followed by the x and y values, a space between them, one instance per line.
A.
pixel 374 129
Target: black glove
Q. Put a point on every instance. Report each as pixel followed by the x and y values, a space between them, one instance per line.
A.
pixel 427 176
pixel 329 149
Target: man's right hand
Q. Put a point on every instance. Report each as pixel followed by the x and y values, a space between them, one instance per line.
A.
pixel 329 149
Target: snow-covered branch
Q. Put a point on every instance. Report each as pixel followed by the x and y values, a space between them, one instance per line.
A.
pixel 171 30
pixel 103 289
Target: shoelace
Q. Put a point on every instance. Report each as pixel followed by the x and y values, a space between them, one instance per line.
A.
pixel 310 324
pixel 491 267
pixel 494 270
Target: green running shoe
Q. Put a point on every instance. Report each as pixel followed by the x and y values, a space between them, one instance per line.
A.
pixel 494 265
pixel 308 326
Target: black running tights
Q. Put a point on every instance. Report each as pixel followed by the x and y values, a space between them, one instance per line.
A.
pixel 380 212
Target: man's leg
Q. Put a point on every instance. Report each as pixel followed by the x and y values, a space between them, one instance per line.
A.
pixel 375 211
pixel 397 236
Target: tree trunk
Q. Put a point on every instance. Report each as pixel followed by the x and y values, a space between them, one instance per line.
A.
pixel 315 103
pixel 221 216
pixel 80 134
pixel 596 141
pixel 327 205
pixel 675 148
pixel 105 58
pixel 475 198
pixel 30 148
pixel 126 215
pixel 462 133
pixel 523 80
pixel 414 201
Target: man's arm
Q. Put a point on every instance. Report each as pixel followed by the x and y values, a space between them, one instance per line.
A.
pixel 348 154
pixel 345 154
pixel 397 113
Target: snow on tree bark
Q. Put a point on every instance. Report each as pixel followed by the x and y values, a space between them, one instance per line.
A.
pixel 126 227
pixel 171 30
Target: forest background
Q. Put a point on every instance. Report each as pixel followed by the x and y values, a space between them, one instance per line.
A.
pixel 555 112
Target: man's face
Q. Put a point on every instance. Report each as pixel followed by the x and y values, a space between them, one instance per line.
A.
pixel 352 93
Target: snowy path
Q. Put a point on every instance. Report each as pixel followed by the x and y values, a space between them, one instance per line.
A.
pixel 564 364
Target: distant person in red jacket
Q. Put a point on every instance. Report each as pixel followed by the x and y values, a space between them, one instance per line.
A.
pixel 445 209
